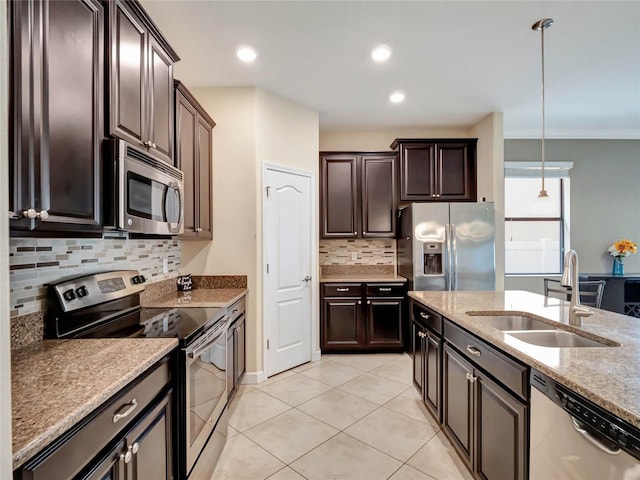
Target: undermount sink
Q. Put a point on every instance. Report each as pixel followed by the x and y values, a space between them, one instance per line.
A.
pixel 514 322
pixel 557 339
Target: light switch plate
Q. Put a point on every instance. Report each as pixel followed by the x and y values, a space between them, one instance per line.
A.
pixel 354 255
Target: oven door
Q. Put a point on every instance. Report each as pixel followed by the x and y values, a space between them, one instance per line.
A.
pixel 206 387
pixel 152 197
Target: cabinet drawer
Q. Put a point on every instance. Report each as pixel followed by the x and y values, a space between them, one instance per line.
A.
pixel 511 373
pixel 342 290
pixel 385 290
pixel 426 317
pixel 84 441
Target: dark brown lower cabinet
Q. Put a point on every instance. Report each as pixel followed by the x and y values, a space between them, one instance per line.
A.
pixel 362 317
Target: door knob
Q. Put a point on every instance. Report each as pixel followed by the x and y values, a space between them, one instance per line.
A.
pixel 306 279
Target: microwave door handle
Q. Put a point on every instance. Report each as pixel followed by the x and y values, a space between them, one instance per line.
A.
pixel 173 227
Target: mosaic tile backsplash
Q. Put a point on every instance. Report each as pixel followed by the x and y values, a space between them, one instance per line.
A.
pixel 367 252
pixel 33 263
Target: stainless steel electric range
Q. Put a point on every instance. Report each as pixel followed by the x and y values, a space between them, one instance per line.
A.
pixel 108 305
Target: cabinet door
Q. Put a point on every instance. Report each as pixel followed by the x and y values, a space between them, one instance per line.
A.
pixel 128 109
pixel 186 122
pixel 455 172
pixel 417 168
pixel 342 327
pixel 432 377
pixel 501 432
pixel 339 196
pixel 417 351
pixel 160 95
pixel 378 196
pixel 239 349
pixel 204 179
pixel 384 323
pixel 56 143
pixel 111 467
pixel 150 443
pixel 457 412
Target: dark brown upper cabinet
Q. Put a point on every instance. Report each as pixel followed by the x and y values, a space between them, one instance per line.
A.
pixel 437 169
pixel 194 157
pixel 56 111
pixel 140 80
pixel 357 195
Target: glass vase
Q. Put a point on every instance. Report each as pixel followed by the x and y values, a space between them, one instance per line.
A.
pixel 618 266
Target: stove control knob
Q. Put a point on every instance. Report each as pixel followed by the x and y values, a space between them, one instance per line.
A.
pixel 142 279
pixel 69 295
pixel 82 291
pixel 135 280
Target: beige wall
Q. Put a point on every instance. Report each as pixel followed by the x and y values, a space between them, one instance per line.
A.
pixel 253 127
pixel 5 359
pixel 379 140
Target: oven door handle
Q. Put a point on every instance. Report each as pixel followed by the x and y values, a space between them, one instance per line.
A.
pixel 196 351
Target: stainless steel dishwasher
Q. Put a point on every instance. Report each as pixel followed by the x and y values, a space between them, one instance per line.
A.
pixel 572 438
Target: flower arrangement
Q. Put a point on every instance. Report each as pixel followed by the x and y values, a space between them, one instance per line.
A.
pixel 622 248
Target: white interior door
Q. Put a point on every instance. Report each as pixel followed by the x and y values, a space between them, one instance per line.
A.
pixel 287 299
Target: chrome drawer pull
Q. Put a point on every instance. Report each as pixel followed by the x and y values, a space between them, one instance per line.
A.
pixel 130 408
pixel 473 351
pixel 424 315
pixel 385 289
pixel 342 289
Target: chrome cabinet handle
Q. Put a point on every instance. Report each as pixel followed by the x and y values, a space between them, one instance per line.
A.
pixel 473 351
pixel 424 315
pixel 153 145
pixel 31 213
pixel 433 195
pixel 342 289
pixel 355 233
pixel 470 377
pixel 130 407
pixel 135 447
pixel 147 144
pixel 42 215
pixel 384 289
pixel 126 457
pixel 437 195
pixel 359 302
pixel 368 302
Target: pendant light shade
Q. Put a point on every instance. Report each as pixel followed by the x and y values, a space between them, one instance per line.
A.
pixel 543 204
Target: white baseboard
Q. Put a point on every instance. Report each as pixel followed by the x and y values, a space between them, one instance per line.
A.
pixel 253 378
pixel 315 356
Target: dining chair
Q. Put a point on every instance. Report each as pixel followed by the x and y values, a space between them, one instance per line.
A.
pixel 590 291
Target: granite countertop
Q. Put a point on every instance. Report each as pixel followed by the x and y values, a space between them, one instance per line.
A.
pixel 199 297
pixel 608 376
pixel 362 277
pixel 56 383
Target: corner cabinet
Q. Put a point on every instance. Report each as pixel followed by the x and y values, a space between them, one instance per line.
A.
pixel 437 169
pixel 193 131
pixel 56 112
pixel 362 317
pixel 140 80
pixel 357 195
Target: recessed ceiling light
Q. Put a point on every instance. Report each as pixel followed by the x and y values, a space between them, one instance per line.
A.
pixel 381 53
pixel 397 97
pixel 246 54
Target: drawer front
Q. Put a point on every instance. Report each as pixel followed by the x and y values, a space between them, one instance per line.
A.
pixel 385 290
pixel 86 440
pixel 426 317
pixel 238 308
pixel 342 290
pixel 506 370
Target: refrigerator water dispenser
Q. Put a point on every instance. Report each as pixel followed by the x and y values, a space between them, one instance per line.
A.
pixel 432 258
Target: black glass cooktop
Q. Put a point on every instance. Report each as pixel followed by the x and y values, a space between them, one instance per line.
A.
pixel 181 323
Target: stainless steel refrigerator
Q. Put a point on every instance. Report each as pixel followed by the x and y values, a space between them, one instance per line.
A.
pixel 447 246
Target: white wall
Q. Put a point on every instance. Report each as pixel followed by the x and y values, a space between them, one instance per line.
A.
pixel 252 127
pixel 5 329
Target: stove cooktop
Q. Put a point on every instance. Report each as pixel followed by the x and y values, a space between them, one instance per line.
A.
pixel 181 323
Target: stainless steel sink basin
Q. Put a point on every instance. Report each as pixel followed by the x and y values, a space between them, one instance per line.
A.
pixel 514 322
pixel 557 339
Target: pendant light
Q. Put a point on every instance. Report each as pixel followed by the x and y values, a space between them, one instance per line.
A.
pixel 543 204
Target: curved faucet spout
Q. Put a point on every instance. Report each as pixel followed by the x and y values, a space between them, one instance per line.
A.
pixel 570 279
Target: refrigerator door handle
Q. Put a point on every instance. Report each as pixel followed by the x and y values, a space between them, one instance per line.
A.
pixel 454 257
pixel 448 263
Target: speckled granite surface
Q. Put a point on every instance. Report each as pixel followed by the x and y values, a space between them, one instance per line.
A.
pixel 363 277
pixel 608 376
pixel 158 289
pixel 204 297
pixel 27 329
pixel 56 383
pixel 219 281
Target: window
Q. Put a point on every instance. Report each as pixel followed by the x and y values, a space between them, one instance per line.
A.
pixel 535 242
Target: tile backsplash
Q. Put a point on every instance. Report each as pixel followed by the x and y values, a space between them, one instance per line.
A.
pixel 35 262
pixel 367 252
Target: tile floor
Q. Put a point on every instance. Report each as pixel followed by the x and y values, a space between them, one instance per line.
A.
pixel 344 417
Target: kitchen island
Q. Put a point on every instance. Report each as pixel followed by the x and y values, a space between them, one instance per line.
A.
pixel 609 376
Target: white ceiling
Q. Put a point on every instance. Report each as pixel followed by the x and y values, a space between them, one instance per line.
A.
pixel 457 61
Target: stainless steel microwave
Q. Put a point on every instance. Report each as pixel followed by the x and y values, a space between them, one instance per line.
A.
pixel 143 194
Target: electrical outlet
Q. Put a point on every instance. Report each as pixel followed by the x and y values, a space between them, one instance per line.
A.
pixel 165 265
pixel 354 255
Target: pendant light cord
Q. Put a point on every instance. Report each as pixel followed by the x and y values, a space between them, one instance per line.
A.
pixel 543 191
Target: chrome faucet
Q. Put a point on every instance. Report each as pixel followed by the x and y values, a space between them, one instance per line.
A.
pixel 570 279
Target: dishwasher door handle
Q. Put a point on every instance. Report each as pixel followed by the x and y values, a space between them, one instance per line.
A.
pixel 593 440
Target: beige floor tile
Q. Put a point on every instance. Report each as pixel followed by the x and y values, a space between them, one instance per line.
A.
pixel 253 408
pixel 242 389
pixel 306 366
pixel 290 435
pixel 332 373
pixel 364 362
pixel 276 378
pixel 438 459
pixel 286 474
pixel 392 433
pixel 231 432
pixel 296 389
pixel 397 370
pixel 242 459
pixel 345 458
pixel 337 408
pixel 373 388
pixel 409 473
pixel 410 403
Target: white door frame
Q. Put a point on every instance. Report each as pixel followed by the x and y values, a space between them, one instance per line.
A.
pixel 315 321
